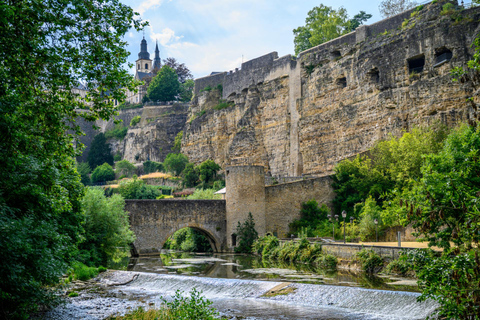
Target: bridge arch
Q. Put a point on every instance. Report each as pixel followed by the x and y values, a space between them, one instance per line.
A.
pixel 154 221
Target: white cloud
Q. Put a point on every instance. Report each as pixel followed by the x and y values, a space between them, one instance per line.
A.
pixel 148 4
pixel 165 37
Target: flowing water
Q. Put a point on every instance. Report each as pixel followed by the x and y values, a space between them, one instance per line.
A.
pixel 244 287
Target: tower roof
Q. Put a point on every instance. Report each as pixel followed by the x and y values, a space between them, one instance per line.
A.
pixel 143 54
pixel 157 63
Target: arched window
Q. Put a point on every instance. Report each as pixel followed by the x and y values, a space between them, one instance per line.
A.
pixel 146 65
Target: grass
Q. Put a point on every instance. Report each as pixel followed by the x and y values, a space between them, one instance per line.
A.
pixel 154 175
pixel 223 105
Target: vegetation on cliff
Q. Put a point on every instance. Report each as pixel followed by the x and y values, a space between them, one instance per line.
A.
pixel 164 86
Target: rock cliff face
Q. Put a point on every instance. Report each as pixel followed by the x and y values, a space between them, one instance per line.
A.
pixel 302 116
pixel 151 139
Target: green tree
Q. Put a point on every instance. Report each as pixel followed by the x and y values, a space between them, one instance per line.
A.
pixel 322 24
pixel 247 235
pixel 208 171
pixel 186 90
pixel 103 173
pixel 107 228
pixel 311 216
pixel 175 163
pixel 358 20
pixel 190 175
pixel 99 152
pixel 164 86
pixel 84 170
pixel 46 47
pixel 125 168
pixel 152 166
pixel 177 145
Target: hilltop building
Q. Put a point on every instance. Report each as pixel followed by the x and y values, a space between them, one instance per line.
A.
pixel 146 69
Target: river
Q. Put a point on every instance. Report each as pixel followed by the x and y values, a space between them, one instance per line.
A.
pixel 245 287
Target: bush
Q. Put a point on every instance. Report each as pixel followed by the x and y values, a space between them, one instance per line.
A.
pixel 82 272
pixel 137 189
pixel 399 267
pixel 175 163
pixel 124 168
pixel 118 132
pixel 84 170
pixel 204 194
pixel 99 152
pixel 247 235
pixel 223 105
pixel 189 240
pixel 117 157
pixel 103 173
pixel 190 176
pixel 73 294
pixel 370 261
pixel 152 166
pixel 107 228
pixel 311 216
pixel 327 262
pixel 135 120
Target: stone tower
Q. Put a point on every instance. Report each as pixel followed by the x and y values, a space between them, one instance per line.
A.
pixel 144 63
pixel 245 193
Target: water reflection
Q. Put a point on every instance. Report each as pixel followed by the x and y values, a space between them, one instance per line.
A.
pixel 236 266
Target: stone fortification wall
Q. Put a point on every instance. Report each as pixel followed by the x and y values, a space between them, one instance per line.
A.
pixel 283 201
pixel 349 251
pixel 211 81
pixel 337 99
pixel 154 221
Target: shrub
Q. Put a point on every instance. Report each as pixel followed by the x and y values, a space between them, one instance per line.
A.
pixel 152 166
pixel 247 234
pixel 124 168
pixel 118 132
pixel 208 171
pixel 128 105
pixel 73 294
pixel 137 189
pixel 447 8
pixel 175 163
pixel 82 272
pixel 135 120
pixel 103 173
pixel 223 105
pixel 370 261
pixel 107 228
pixel 207 88
pixel 399 267
pixel 117 157
pixel 189 240
pixel 84 170
pixel 327 262
pixel 204 194
pixel 311 216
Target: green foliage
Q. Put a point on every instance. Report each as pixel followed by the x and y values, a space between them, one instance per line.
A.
pixel 400 267
pixel 443 204
pixel 73 294
pixel 368 214
pixel 152 166
pixel 186 90
pixel 208 170
pixel 103 173
pixel 99 152
pixel 370 261
pixel 247 235
pixel 190 175
pixel 135 120
pixel 137 189
pixel 195 307
pixel 46 49
pixel 358 20
pixel 447 8
pixel 207 89
pixel 124 168
pixel 164 86
pixel 189 240
pixel 84 170
pixel 175 163
pixel 452 279
pixel 117 157
pixel 204 194
pixel 265 244
pixel 118 132
pixel 82 272
pixel 107 228
pixel 322 24
pixel 219 184
pixel 177 145
pixel 311 216
pixel 327 262
pixel 223 104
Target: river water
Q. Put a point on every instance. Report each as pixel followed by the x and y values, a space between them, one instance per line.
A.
pixel 244 287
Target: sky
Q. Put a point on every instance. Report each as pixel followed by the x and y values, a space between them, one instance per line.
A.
pixel 217 35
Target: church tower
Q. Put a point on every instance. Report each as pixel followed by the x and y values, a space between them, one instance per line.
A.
pixel 157 63
pixel 144 63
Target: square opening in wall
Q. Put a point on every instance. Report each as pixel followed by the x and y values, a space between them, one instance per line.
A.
pixel 416 64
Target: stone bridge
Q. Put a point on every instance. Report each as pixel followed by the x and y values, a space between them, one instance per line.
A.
pixel 154 221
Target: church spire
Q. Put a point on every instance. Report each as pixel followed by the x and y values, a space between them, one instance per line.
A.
pixel 157 64
pixel 143 50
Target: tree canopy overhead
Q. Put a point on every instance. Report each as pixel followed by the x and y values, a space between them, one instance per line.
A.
pixel 324 23
pixel 47 48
